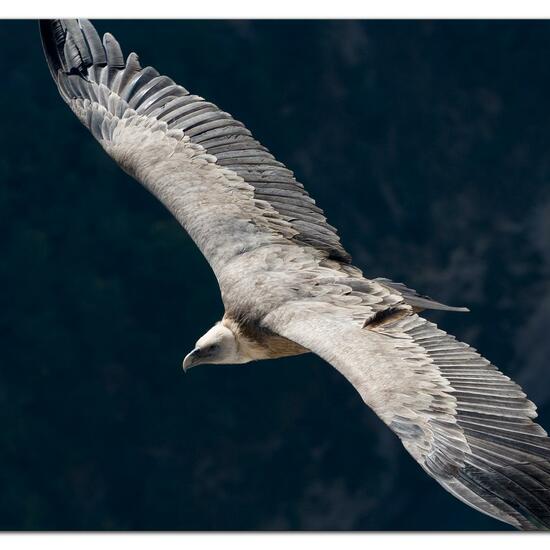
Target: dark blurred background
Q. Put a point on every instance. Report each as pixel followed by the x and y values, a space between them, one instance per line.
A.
pixel 427 144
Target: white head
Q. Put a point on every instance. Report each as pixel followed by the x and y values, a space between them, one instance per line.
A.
pixel 218 345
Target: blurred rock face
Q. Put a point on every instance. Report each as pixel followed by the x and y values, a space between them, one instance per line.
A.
pixel 427 145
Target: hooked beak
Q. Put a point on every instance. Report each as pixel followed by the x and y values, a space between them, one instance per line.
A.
pixel 191 359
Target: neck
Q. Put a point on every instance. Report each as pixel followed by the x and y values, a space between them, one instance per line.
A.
pixel 256 343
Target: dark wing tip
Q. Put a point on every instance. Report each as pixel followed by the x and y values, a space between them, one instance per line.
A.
pixel 70 45
pixel 52 34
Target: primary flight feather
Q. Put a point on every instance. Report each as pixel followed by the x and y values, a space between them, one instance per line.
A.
pixel 289 286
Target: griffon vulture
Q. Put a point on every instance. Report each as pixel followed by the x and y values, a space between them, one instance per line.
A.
pixel 289 286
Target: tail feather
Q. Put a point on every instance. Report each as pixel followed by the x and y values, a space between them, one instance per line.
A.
pixel 418 301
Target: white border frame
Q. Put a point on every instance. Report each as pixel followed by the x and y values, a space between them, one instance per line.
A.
pixel 279 9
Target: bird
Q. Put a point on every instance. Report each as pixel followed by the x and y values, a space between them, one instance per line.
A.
pixel 289 287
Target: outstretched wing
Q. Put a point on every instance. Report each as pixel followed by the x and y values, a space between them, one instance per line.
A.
pixel 468 425
pixel 237 202
pixel 222 185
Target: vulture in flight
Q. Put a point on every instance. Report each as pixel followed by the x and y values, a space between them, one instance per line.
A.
pixel 289 286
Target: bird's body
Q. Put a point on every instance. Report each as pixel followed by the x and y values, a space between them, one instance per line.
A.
pixel 289 286
pixel 256 343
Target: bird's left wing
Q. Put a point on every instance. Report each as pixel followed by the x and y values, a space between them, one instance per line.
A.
pixel 222 185
pixel 467 424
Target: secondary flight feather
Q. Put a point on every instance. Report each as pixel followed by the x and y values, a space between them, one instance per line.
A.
pixel 289 286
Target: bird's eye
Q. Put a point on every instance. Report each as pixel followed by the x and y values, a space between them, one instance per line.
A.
pixel 212 347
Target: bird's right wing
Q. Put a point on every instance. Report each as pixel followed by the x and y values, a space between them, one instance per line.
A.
pixel 255 224
pixel 468 425
pixel 222 185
